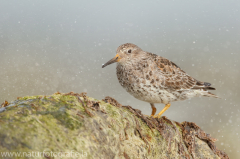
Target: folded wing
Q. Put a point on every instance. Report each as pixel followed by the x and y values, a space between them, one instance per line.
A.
pixel 176 78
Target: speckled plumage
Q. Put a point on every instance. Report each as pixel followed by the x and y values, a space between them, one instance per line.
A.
pixel 155 79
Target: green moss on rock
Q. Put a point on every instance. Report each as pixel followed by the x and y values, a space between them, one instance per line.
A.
pixel 94 129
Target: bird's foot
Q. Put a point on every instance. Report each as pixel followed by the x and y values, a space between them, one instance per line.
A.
pixel 155 116
pixel 159 114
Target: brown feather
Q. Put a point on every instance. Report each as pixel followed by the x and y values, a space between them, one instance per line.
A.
pixel 175 73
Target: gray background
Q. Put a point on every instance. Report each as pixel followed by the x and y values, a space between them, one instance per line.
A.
pixel 49 46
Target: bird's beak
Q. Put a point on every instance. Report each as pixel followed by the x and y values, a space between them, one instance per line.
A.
pixel 115 59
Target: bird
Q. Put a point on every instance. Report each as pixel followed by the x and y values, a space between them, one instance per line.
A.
pixel 155 79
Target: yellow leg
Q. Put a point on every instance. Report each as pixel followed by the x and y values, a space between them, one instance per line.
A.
pixel 164 109
pixel 153 109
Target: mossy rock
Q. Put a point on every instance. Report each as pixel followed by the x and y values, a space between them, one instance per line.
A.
pixel 76 126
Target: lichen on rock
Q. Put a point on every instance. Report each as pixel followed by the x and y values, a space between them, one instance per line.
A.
pixel 93 128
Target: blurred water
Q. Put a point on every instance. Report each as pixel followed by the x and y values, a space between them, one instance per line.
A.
pixel 49 46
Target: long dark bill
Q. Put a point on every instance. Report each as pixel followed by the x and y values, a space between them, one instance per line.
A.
pixel 115 59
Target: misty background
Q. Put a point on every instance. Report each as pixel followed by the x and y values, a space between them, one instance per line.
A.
pixel 49 46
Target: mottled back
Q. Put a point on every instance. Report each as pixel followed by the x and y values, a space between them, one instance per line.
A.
pixel 175 77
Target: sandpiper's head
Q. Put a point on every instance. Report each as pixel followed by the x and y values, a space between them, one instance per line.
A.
pixel 125 53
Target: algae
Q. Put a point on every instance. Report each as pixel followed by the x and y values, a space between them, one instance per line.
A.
pixel 73 124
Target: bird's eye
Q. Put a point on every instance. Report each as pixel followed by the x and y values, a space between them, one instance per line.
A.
pixel 129 51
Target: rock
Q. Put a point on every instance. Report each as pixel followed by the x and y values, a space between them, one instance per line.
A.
pixel 76 126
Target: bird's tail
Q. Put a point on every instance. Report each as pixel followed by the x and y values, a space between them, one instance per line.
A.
pixel 209 94
pixel 205 86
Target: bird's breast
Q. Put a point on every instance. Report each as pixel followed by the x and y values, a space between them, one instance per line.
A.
pixel 141 83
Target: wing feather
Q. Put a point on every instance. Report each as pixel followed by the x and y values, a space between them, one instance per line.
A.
pixel 176 78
